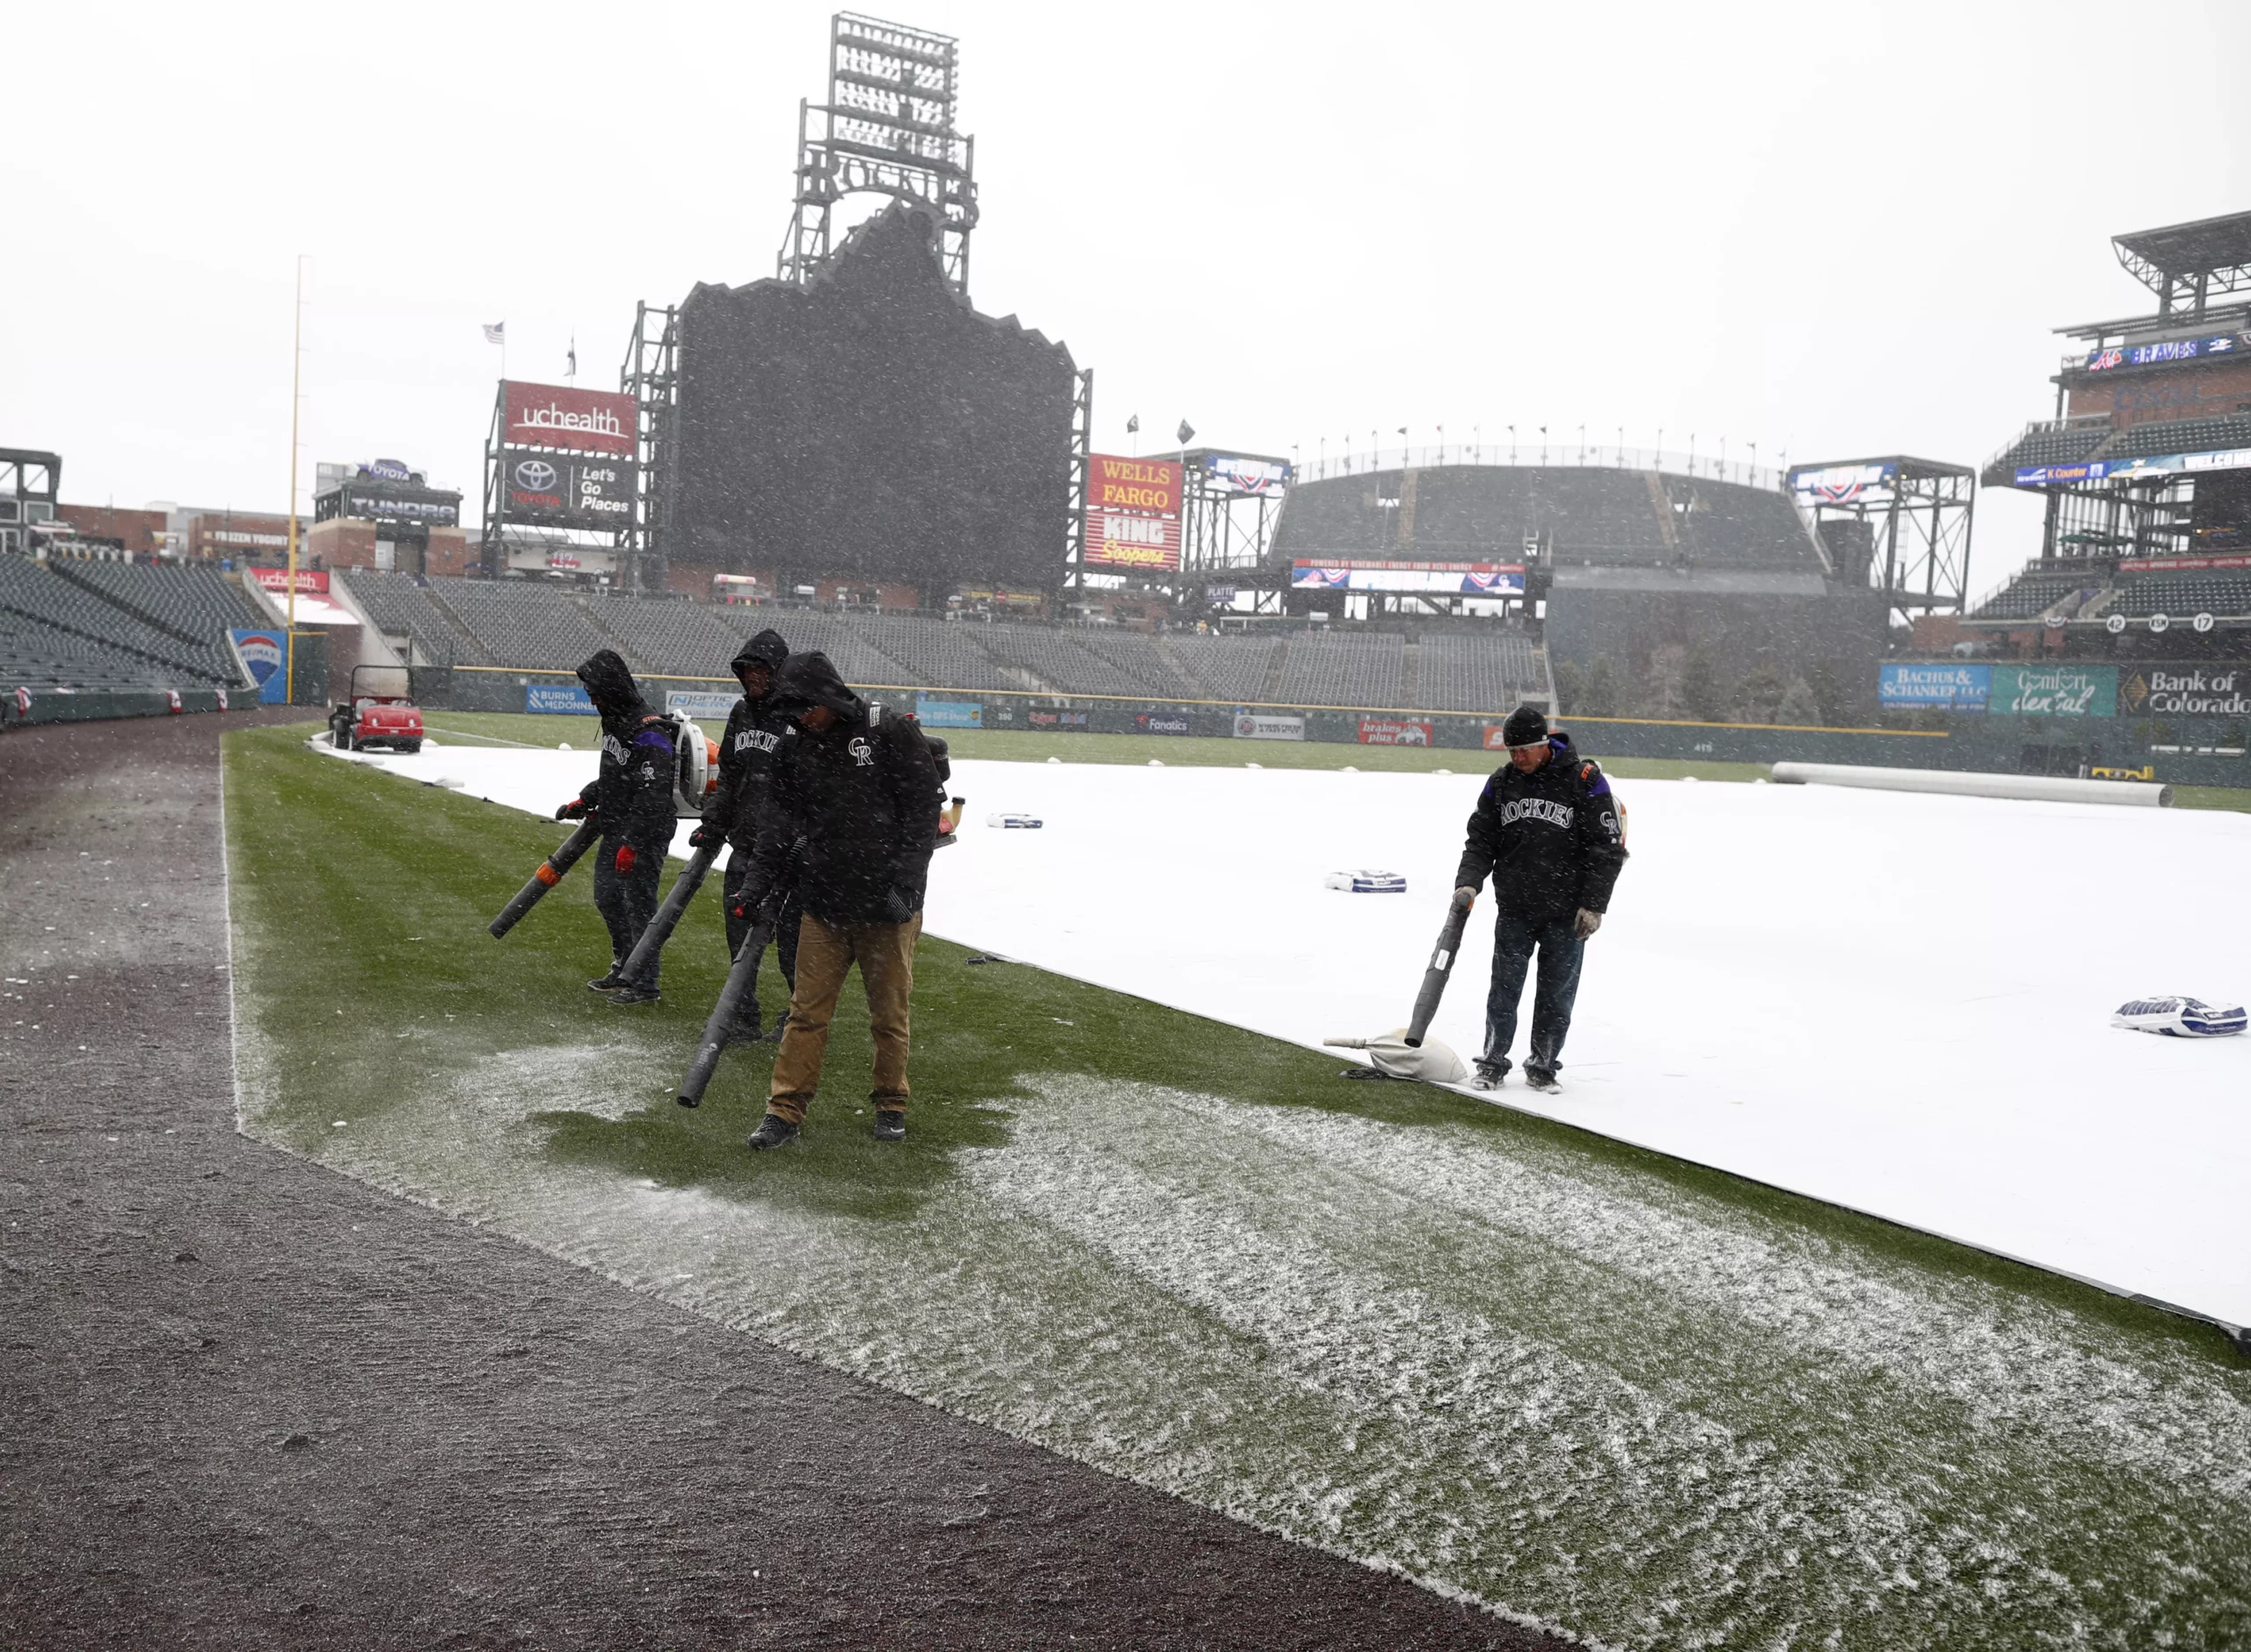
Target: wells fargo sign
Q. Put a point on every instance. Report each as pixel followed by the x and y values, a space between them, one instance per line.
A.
pixel 1133 514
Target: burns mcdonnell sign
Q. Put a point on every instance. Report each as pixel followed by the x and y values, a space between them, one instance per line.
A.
pixel 1132 512
pixel 561 416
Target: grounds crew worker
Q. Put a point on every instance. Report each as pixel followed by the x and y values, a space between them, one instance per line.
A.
pixel 632 798
pixel 1547 826
pixel 857 788
pixel 742 799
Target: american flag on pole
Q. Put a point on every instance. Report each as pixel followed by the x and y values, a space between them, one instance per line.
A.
pixel 496 333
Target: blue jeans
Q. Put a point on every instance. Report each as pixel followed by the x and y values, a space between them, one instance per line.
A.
pixel 626 902
pixel 1561 951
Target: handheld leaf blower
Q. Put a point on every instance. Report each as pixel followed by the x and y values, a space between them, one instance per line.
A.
pixel 720 1028
pixel 667 919
pixel 1405 1053
pixel 550 873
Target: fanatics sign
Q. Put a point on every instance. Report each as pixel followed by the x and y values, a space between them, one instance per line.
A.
pixel 1133 514
pixel 562 416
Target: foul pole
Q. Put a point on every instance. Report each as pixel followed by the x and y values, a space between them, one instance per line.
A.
pixel 296 369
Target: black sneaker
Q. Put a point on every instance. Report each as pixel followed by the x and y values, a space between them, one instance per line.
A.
pixel 609 983
pixel 1539 1079
pixel 635 993
pixel 1487 1076
pixel 773 1130
pixel 890 1125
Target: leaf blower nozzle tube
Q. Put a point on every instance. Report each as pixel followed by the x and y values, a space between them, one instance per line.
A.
pixel 667 919
pixel 720 1028
pixel 550 873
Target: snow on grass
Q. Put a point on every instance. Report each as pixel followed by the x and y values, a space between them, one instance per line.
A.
pixel 1585 1388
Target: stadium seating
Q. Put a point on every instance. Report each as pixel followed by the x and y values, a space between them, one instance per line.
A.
pixel 1494 673
pixel 2032 594
pixel 400 608
pixel 1590 514
pixel 193 603
pixel 1727 525
pixel 535 627
pixel 521 624
pixel 47 609
pixel 1351 668
pixel 1231 667
pixel 2181 435
pixel 2047 444
pixel 2182 596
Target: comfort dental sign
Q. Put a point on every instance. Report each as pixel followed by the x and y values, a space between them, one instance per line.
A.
pixel 562 416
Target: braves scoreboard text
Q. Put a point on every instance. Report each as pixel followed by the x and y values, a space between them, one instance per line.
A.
pixel 1133 514
pixel 1446 579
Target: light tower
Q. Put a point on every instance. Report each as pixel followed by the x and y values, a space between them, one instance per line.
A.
pixel 886 129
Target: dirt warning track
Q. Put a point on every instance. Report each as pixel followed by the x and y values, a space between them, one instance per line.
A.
pixel 246 1402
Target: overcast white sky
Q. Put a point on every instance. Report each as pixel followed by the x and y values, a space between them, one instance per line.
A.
pixel 1832 229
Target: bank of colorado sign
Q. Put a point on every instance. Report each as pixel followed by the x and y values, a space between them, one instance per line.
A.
pixel 541 487
pixel 563 416
pixel 2186 691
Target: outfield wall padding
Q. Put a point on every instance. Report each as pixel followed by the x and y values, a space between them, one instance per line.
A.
pixel 2032 788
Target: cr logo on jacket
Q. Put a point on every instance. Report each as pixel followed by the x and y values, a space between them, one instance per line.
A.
pixel 861 753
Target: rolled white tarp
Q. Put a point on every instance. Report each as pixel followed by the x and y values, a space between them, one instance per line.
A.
pixel 2033 788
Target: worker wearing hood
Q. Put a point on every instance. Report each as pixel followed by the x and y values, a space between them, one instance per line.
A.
pixel 633 797
pixel 856 789
pixel 742 799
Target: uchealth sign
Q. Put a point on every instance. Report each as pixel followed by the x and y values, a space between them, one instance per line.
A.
pixel 2185 691
pixel 1251 726
pixel 563 416
pixel 1390 731
pixel 592 493
pixel 277 579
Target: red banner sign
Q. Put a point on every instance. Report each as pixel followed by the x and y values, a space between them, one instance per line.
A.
pixel 561 416
pixel 2182 564
pixel 1133 514
pixel 1388 731
pixel 314 579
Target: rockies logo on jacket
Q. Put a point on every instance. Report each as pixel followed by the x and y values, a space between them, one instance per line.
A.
pixel 633 790
pixel 1552 840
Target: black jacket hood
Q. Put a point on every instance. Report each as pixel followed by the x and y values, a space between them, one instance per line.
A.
pixel 766 649
pixel 609 684
pixel 808 679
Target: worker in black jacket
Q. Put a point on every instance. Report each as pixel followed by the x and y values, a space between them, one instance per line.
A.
pixel 856 792
pixel 633 797
pixel 1548 829
pixel 742 798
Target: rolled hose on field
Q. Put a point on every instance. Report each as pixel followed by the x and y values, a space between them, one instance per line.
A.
pixel 1949 783
pixel 550 873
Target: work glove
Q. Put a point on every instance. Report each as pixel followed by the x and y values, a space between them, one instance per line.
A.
pixel 1465 897
pixel 1586 923
pixel 900 905
pixel 574 810
pixel 704 836
pixel 625 858
pixel 750 904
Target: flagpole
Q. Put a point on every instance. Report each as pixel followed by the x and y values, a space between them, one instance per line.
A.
pixel 296 373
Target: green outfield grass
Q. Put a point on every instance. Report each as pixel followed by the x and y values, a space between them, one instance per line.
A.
pixel 1581 1383
pixel 1024 746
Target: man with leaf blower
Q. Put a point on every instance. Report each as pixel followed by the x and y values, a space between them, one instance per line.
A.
pixel 1548 829
pixel 742 801
pixel 856 790
pixel 633 797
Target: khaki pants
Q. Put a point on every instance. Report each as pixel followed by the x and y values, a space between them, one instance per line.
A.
pixel 885 955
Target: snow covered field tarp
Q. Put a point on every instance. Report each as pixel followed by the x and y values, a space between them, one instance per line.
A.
pixel 1894 1002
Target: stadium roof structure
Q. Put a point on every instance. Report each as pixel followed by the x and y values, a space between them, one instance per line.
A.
pixel 2199 261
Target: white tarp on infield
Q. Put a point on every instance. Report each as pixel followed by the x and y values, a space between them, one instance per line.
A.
pixel 1892 1002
